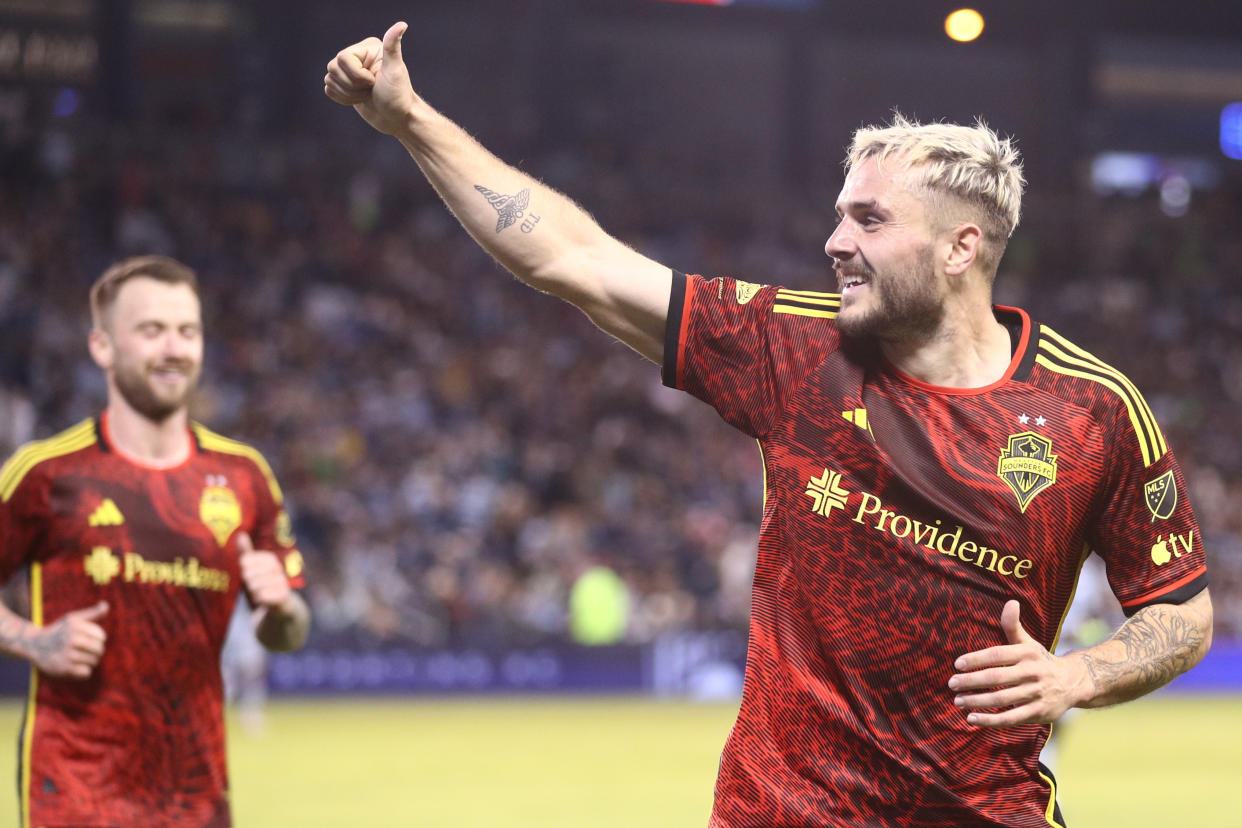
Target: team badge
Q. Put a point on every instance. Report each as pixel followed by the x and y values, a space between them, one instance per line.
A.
pixel 1028 465
pixel 1161 495
pixel 220 511
pixel 746 291
pixel 101 565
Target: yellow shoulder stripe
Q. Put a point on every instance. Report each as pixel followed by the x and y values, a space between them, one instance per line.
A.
pixel 807 303
pixel 807 294
pixel 211 441
pixel 797 311
pixel 32 454
pixel 1058 354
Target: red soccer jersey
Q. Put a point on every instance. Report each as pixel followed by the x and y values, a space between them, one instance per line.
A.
pixel 898 519
pixel 141 742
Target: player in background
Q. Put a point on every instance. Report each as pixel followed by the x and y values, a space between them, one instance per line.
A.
pixel 139 528
pixel 937 469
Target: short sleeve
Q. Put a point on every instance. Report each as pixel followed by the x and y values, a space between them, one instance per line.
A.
pixel 273 530
pixel 21 511
pixel 744 348
pixel 1147 533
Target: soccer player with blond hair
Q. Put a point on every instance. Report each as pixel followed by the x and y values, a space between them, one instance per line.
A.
pixel 937 468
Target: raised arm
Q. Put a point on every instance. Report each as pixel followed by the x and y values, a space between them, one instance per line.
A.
pixel 1154 646
pixel 542 237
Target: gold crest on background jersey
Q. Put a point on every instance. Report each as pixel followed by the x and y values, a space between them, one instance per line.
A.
pixel 220 511
pixel 1028 465
pixel 1161 496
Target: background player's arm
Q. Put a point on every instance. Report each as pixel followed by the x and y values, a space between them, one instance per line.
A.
pixel 69 647
pixel 541 236
pixel 1028 684
pixel 281 618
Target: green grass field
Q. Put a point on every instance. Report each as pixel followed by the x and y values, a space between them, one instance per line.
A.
pixel 513 763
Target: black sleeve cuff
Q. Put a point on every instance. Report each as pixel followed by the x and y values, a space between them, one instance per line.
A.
pixel 672 330
pixel 1178 596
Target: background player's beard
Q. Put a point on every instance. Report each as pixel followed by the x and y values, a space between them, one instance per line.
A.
pixel 132 383
pixel 905 303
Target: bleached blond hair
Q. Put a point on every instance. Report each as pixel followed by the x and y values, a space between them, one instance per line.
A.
pixel 971 165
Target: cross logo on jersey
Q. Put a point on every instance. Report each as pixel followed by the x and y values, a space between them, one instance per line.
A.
pixel 826 492
pixel 101 565
pixel 1028 465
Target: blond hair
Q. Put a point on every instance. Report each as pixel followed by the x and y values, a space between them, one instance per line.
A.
pixel 971 165
pixel 160 268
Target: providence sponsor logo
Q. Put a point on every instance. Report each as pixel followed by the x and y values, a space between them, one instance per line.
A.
pixel 934 537
pixel 178 572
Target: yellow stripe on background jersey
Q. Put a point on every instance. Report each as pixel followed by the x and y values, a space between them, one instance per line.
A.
pixel 26 458
pixel 211 441
pixel 36 618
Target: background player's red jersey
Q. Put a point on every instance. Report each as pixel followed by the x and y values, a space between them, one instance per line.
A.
pixel 899 518
pixel 141 742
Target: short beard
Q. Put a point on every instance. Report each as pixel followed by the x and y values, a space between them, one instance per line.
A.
pixel 138 394
pixel 907 305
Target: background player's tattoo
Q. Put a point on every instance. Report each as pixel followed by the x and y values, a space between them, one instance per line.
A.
pixel 510 208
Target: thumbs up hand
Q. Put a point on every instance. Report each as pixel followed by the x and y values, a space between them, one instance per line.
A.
pixel 371 76
pixel 263 576
pixel 70 647
pixel 1015 683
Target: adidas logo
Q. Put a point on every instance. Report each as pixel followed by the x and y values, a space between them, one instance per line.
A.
pixel 106 514
pixel 859 418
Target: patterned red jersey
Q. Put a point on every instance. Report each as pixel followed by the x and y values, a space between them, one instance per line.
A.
pixel 141 742
pixel 898 519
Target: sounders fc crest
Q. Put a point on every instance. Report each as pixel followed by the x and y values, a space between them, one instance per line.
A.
pixel 746 291
pixel 1161 495
pixel 1028 465
pixel 221 512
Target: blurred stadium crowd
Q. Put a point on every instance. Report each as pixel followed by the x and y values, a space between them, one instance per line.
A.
pixel 457 449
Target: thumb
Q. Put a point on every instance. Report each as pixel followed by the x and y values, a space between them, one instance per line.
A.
pixel 392 43
pixel 244 546
pixel 93 613
pixel 1012 625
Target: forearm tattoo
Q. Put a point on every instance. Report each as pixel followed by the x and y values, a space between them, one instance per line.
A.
pixel 1161 642
pixel 21 639
pixel 510 208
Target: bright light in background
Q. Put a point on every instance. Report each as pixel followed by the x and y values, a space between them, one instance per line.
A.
pixel 1231 130
pixel 964 25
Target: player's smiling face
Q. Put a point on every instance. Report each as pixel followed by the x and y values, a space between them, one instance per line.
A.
pixel 156 335
pixel 884 257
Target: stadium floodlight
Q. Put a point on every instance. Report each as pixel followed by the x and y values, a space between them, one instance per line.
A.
pixel 1231 131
